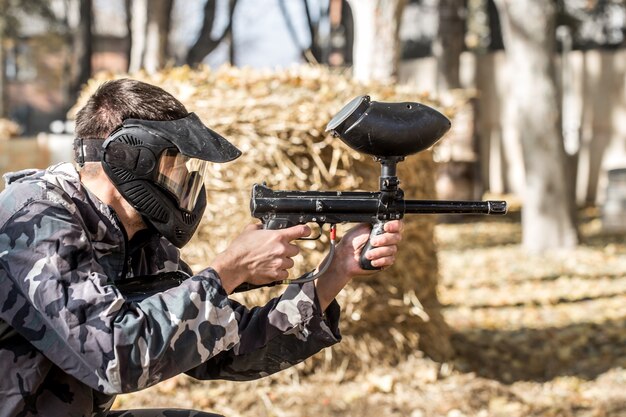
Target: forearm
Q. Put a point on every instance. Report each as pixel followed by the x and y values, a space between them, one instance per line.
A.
pixel 329 285
pixel 282 333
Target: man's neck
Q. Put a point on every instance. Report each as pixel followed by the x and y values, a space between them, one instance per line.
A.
pixel 101 186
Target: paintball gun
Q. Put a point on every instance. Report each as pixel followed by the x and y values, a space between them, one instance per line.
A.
pixel 389 132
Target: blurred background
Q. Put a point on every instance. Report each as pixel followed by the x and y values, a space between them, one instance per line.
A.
pixel 519 316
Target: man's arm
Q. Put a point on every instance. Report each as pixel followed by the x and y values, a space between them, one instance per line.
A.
pixel 305 316
pixel 54 293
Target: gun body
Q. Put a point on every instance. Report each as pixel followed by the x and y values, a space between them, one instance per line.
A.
pixel 281 209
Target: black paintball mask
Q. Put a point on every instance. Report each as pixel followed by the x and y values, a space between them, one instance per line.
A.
pixel 159 168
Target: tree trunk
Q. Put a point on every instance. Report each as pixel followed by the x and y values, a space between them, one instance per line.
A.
pixel 457 172
pixel 157 35
pixel 450 43
pixel 150 27
pixel 530 40
pixel 205 44
pixel 82 44
pixel 128 6
pixel 229 32
pixel 139 23
pixel 318 46
pixel 376 40
pixel 3 94
pixel 495 27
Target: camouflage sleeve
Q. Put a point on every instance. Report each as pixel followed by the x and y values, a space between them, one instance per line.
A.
pixel 274 337
pixel 55 294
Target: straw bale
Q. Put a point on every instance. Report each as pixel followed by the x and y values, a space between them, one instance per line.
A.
pixel 9 129
pixel 278 119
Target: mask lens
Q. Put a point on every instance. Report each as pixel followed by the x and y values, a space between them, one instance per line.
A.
pixel 182 176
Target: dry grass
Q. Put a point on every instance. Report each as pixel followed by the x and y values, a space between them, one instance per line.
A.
pixel 531 318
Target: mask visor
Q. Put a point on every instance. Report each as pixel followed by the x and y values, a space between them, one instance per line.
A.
pixel 182 176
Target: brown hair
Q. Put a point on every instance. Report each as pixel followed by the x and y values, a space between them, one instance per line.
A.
pixel 117 100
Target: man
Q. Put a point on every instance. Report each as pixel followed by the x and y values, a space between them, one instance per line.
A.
pixel 70 341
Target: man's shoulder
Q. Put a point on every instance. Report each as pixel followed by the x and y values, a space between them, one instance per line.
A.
pixel 52 186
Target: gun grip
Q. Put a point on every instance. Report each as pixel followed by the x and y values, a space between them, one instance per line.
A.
pixel 364 263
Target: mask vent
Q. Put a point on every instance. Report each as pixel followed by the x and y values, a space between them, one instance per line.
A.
pixel 189 218
pixel 130 140
pixel 146 203
pixel 180 234
pixel 123 174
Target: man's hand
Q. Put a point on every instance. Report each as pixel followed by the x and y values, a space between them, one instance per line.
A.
pixel 345 264
pixel 258 256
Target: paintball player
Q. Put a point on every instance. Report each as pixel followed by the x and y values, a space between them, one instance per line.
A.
pixel 70 341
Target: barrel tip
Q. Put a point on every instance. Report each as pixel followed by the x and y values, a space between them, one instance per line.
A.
pixel 497 207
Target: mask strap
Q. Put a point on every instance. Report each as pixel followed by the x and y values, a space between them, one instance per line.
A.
pixel 88 150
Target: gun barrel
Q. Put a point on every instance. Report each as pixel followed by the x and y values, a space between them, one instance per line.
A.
pixel 455 207
pixel 354 206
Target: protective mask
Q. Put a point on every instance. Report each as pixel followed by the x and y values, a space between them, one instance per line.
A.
pixel 159 168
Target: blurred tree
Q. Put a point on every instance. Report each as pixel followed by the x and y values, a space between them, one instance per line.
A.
pixel 149 29
pixel 81 41
pixel 341 33
pixel 315 51
pixel 529 31
pixel 12 12
pixel 310 53
pixel 320 40
pixel 205 44
pixel 450 43
pixel 458 155
pixel 3 23
pixel 376 42
pixel 495 28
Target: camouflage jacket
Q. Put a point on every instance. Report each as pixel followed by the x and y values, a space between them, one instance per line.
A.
pixel 69 341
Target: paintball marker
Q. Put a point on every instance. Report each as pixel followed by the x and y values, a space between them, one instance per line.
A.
pixel 387 131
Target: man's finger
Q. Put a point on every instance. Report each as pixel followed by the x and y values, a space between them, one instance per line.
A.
pixel 296 232
pixel 287 263
pixel 386 239
pixel 381 252
pixel 394 226
pixel 291 250
pixel 385 262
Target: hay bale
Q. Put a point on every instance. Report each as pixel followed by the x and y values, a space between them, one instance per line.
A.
pixel 277 119
pixel 16 155
pixel 9 129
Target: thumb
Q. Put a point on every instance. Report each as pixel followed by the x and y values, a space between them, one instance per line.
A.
pixel 358 235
